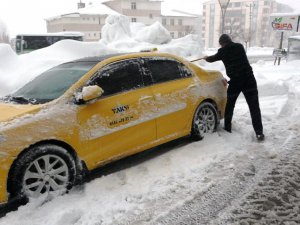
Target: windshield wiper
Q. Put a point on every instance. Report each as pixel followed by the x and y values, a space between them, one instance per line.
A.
pixel 19 99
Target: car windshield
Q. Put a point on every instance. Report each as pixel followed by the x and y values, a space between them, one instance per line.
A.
pixel 52 83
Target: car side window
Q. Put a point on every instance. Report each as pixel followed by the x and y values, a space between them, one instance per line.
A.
pixel 185 72
pixel 163 70
pixel 118 77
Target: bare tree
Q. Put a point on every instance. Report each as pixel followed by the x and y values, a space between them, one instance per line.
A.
pixel 4 37
pixel 223 4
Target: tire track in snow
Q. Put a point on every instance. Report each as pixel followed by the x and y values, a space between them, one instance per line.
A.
pixel 268 195
pixel 275 200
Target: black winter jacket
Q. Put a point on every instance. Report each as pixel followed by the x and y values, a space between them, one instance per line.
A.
pixel 235 60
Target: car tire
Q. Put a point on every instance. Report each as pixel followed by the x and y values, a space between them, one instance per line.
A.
pixel 42 170
pixel 205 120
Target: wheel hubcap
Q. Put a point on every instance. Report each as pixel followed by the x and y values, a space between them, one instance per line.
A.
pixel 48 173
pixel 205 121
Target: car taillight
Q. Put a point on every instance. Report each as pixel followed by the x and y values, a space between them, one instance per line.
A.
pixel 224 81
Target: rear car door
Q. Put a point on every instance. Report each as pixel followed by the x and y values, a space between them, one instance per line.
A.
pixel 117 124
pixel 172 86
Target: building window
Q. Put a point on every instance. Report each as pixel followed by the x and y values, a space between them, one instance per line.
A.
pixel 164 21
pixel 266 3
pixel 172 22
pixel 133 20
pixel 180 22
pixel 180 34
pixel 237 4
pixel 95 34
pixel 172 34
pixel 150 16
pixel 133 5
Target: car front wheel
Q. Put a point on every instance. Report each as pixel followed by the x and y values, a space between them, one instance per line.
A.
pixel 41 171
pixel 205 120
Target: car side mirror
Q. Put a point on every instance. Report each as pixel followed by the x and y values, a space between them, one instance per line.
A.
pixel 89 93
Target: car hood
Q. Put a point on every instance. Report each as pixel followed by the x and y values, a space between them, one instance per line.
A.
pixel 9 111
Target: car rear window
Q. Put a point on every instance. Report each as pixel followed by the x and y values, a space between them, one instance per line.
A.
pixel 164 70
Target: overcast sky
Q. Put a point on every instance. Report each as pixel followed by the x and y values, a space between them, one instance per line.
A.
pixel 27 16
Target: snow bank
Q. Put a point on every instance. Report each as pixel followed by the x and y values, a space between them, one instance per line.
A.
pixel 154 34
pixel 118 36
pixel 117 27
pixel 16 70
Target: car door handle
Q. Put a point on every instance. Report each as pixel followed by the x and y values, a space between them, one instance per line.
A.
pixel 145 98
pixel 192 86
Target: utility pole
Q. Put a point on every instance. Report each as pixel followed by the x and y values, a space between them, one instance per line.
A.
pixel 251 6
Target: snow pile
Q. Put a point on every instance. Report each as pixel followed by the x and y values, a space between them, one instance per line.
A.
pixel 116 28
pixel 118 36
pixel 121 35
pixel 16 70
pixel 150 34
pixel 188 47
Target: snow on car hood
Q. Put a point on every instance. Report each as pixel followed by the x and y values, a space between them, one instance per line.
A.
pixel 9 111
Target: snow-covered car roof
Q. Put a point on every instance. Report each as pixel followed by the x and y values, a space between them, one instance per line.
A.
pixel 97 58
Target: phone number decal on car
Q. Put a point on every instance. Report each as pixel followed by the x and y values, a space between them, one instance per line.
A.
pixel 121 120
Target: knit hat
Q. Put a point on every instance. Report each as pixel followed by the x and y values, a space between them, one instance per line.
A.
pixel 224 39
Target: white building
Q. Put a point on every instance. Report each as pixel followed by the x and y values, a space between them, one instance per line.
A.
pixel 247 21
pixel 181 23
pixel 91 18
pixel 144 11
pixel 88 20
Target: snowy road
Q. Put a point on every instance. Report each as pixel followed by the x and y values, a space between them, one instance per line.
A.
pixel 261 190
pixel 252 194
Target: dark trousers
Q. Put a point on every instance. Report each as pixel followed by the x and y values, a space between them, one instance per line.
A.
pixel 248 87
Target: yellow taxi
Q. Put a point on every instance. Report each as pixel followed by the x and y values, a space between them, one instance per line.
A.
pixel 83 114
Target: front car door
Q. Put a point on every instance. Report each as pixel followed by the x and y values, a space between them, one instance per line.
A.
pixel 117 124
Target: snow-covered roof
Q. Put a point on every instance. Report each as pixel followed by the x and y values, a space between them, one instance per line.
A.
pixel 286 14
pixel 96 9
pixel 93 9
pixel 295 37
pixel 65 33
pixel 148 0
pixel 174 12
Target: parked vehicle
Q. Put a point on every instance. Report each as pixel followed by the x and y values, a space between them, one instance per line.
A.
pixel 86 113
pixel 25 43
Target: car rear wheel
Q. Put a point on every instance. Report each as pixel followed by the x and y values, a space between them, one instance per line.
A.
pixel 205 121
pixel 42 170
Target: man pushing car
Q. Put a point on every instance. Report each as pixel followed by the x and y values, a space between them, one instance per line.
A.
pixel 241 76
